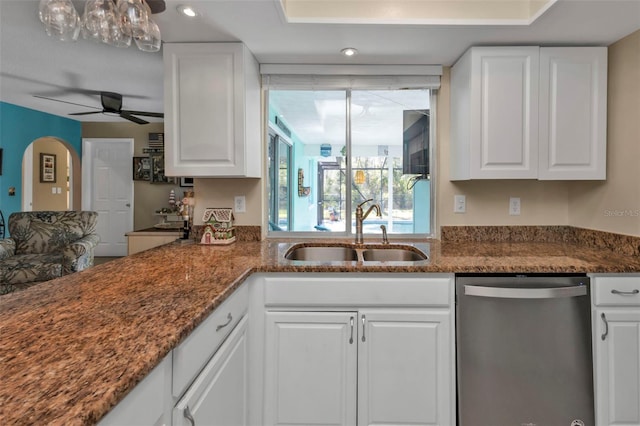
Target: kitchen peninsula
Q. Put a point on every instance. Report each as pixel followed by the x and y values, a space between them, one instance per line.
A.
pixel 73 348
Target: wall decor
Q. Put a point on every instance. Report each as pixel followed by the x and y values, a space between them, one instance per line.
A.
pixel 186 181
pixel 157 169
pixel 47 168
pixel 141 168
pixel 303 191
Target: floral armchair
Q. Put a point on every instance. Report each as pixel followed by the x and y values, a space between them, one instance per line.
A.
pixel 44 245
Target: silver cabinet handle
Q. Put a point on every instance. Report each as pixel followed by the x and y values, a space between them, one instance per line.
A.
pixel 606 326
pixel 351 338
pixel 229 319
pixel 364 319
pixel 525 293
pixel 626 293
pixel 188 416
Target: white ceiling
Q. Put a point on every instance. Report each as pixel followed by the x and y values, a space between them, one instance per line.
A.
pixel 33 64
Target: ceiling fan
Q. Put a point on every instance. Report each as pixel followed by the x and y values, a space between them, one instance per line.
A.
pixel 112 104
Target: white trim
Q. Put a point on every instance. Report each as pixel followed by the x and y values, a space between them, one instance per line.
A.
pixel 344 82
pixel 353 69
pixel 27 179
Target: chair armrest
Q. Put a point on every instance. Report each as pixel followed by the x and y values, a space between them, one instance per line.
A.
pixel 7 248
pixel 78 255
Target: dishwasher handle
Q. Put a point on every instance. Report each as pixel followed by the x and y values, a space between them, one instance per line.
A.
pixel 525 293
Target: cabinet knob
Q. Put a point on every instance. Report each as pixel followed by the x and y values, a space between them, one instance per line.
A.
pixel 188 416
pixel 626 293
pixel 606 326
pixel 229 319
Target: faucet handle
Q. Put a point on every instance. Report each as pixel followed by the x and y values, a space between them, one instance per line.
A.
pixel 364 202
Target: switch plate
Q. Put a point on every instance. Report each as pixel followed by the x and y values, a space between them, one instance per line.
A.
pixel 239 204
pixel 459 204
pixel 514 206
pixel 53 189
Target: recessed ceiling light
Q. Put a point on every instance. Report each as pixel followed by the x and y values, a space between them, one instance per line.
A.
pixel 187 10
pixel 349 51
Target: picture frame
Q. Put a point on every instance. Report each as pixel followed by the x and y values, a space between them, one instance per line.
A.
pixel 157 169
pixel 142 168
pixel 186 181
pixel 47 168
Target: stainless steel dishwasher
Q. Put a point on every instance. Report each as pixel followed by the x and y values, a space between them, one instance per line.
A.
pixel 524 351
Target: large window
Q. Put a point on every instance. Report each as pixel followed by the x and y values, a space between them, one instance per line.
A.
pixel 336 149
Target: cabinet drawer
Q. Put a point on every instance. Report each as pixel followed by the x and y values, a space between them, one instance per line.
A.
pixel 406 290
pixel 621 291
pixel 192 355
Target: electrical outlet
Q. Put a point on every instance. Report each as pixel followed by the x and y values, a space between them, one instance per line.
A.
pixel 239 204
pixel 514 206
pixel 459 204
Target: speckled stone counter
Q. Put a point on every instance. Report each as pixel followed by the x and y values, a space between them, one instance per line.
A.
pixel 72 348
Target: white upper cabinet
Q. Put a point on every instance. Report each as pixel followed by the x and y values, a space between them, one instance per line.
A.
pixel 529 113
pixel 494 115
pixel 573 113
pixel 212 110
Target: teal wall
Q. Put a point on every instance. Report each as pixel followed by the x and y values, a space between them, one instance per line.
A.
pixel 18 128
pixel 303 209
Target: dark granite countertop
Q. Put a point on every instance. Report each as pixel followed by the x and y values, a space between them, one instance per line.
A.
pixel 72 348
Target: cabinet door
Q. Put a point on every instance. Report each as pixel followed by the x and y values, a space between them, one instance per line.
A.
pixel 405 368
pixel 573 113
pixel 504 113
pixel 310 368
pixel 218 396
pixel 617 366
pixel 211 101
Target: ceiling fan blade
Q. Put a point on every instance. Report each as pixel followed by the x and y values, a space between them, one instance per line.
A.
pixel 132 118
pixel 143 113
pixel 85 113
pixel 65 102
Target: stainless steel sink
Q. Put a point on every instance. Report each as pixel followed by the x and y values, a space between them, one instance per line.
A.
pixel 322 254
pixel 392 255
pixel 345 253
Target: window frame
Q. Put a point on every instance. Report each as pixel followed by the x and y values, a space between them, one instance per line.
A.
pixel 349 233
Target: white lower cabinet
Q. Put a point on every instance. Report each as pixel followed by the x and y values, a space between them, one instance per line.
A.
pixel 617 349
pixel 361 365
pixel 404 366
pixel 311 368
pixel 218 396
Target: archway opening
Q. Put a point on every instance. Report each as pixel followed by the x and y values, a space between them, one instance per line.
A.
pixel 50 176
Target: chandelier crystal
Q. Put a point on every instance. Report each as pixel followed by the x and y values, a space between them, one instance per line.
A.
pixel 114 22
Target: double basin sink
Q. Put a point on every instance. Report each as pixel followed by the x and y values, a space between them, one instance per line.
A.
pixel 354 253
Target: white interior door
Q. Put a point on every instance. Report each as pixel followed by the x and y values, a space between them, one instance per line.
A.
pixel 108 189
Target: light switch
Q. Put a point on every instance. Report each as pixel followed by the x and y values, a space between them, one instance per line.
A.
pixel 239 204
pixel 459 204
pixel 514 206
pixel 53 189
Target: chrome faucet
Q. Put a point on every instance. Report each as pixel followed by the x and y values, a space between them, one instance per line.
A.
pixel 360 217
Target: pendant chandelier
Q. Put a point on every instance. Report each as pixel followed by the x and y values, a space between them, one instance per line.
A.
pixel 114 22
